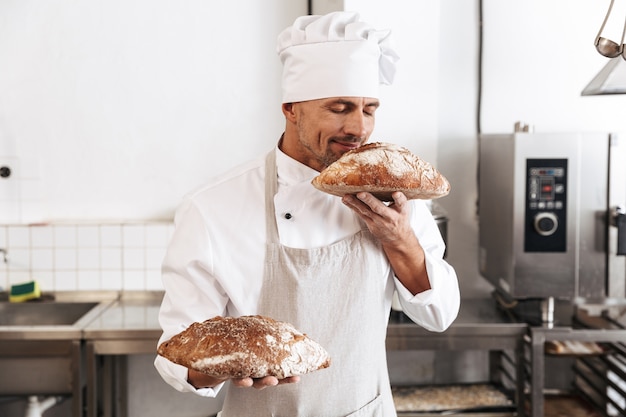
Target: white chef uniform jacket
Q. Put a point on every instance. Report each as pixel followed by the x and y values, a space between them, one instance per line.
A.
pixel 214 263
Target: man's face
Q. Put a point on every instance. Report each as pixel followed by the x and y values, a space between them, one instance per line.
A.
pixel 328 128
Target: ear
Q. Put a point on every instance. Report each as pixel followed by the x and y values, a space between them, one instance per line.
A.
pixel 289 112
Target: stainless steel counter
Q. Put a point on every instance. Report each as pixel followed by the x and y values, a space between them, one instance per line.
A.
pixel 479 325
pixel 128 327
pixel 127 324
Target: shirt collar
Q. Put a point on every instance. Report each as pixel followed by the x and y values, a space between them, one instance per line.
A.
pixel 291 171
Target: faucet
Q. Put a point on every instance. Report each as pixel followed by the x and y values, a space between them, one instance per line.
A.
pixel 36 408
pixel 4 255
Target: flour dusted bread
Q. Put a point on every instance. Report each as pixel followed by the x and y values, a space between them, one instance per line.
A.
pixel 381 169
pixel 248 346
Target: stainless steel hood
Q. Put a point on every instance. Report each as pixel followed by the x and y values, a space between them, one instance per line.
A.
pixel 610 80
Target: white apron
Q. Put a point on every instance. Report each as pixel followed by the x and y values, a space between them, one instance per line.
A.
pixel 336 295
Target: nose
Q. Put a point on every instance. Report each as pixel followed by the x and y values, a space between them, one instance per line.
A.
pixel 357 124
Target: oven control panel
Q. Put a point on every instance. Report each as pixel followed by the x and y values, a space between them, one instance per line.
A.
pixel 546 208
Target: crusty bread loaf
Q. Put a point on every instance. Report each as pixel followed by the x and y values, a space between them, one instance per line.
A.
pixel 381 169
pixel 247 346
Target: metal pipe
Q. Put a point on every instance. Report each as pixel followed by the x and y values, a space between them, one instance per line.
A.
pixel 547 311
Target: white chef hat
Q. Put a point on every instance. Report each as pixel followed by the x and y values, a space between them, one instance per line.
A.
pixel 334 55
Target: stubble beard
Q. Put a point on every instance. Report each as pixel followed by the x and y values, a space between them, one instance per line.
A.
pixel 323 157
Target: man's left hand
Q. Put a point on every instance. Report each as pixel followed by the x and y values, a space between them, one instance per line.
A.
pixel 389 223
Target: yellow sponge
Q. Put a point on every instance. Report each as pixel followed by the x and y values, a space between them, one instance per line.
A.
pixel 24 292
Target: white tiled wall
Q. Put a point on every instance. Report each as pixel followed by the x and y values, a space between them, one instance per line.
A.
pixel 71 257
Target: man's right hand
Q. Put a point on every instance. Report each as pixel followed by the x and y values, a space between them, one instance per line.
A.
pixel 200 380
pixel 262 383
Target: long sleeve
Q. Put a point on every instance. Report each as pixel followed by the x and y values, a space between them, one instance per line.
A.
pixel 436 308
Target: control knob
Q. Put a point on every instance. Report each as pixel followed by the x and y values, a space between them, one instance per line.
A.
pixel 546 223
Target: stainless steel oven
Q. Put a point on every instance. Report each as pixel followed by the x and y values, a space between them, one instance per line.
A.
pixel 549 207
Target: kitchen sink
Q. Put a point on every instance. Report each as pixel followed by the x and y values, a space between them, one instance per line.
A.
pixel 44 313
pixel 48 317
pixel 41 344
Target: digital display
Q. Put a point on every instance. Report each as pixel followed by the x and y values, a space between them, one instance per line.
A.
pixel 546 214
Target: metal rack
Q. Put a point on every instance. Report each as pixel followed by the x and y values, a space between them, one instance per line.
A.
pixel 479 326
pixel 602 380
pixel 599 379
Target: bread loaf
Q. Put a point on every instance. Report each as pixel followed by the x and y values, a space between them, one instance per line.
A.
pixel 248 346
pixel 381 169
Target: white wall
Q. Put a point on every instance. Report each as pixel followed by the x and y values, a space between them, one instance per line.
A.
pixel 539 56
pixel 114 109
pixel 458 63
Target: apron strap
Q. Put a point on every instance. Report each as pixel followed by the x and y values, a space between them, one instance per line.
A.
pixel 271 185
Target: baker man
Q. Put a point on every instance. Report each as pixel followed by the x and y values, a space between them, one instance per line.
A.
pixel 261 239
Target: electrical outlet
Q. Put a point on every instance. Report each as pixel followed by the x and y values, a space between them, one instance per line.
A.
pixel 8 178
pixel 9 189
